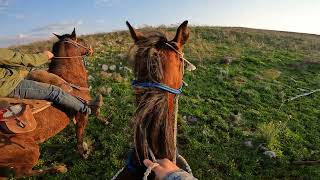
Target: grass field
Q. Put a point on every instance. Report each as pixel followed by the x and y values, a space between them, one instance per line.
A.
pixel 239 107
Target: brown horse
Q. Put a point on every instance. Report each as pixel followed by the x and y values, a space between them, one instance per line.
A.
pixel 20 152
pixel 158 67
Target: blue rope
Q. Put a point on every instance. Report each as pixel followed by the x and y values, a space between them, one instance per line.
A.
pixel 157 85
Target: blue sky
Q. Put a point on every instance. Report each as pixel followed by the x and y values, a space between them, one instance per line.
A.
pixel 24 21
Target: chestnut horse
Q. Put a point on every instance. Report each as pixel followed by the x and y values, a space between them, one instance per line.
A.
pixel 158 68
pixel 20 152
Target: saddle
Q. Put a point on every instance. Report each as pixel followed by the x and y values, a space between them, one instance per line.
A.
pixel 16 115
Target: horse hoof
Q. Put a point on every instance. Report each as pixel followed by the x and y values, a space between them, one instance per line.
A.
pixel 86 150
pixel 85 147
pixel 85 156
pixel 61 169
pixel 103 120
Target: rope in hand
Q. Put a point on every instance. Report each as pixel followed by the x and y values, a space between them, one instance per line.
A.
pixel 154 165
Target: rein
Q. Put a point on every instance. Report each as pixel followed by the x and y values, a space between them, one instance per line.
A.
pixel 61 57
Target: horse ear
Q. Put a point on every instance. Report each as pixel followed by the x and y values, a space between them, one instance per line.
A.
pixel 58 36
pixel 73 34
pixel 182 34
pixel 136 35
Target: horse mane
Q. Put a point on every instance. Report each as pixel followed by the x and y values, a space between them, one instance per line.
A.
pixel 152 124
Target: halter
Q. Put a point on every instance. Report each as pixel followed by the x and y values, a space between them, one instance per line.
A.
pixel 164 87
pixel 78 45
pixel 156 85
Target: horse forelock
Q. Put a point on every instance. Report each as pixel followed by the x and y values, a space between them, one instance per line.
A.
pixel 148 57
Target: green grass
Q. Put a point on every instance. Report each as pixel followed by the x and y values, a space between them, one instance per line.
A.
pixel 268 67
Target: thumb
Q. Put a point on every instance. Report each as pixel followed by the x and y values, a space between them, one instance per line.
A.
pixel 147 162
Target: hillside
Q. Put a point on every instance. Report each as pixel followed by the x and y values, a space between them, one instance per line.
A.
pixel 233 110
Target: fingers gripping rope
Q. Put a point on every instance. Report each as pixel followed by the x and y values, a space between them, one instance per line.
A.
pixel 154 165
pixel 148 171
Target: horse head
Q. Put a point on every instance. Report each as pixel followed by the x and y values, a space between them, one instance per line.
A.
pixel 68 61
pixel 69 45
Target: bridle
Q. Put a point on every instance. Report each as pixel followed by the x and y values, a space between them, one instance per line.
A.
pixel 78 45
pixel 190 67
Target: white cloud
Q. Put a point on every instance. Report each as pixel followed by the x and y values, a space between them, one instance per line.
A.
pixel 22 36
pixel 103 3
pixel 19 16
pixel 6 41
pixel 58 27
pixel 4 4
pixel 80 22
pixel 100 21
pixel 40 33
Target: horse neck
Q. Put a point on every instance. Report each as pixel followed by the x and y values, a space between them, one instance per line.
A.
pixel 70 69
pixel 160 141
pixel 155 123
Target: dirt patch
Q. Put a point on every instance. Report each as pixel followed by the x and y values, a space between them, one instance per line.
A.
pixel 270 74
pixel 239 81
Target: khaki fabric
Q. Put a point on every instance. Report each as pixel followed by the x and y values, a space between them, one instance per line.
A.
pixel 13 68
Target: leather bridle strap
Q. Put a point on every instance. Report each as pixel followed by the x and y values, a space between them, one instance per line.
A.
pixel 77 45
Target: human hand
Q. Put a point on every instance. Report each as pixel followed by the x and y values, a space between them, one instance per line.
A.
pixel 165 167
pixel 49 54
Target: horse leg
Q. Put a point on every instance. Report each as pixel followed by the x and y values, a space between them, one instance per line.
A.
pixel 26 171
pixel 81 123
pixel 19 154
